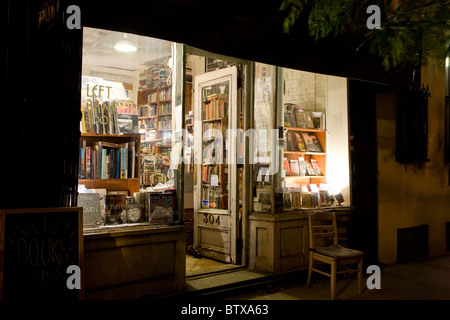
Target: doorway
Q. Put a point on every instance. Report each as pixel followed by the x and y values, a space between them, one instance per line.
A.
pixel 213 197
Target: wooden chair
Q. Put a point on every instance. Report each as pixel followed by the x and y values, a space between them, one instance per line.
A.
pixel 324 247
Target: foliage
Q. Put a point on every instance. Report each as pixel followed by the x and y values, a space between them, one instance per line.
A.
pixel 411 30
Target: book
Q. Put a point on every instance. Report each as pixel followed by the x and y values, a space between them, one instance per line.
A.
pixel 301 166
pixel 292 120
pixel 309 169
pixel 324 198
pixel 294 167
pixel 287 121
pixel 115 209
pixel 88 162
pixel 296 200
pixel 300 143
pixel 286 167
pixel 300 118
pixel 124 161
pixel 131 159
pixel 290 141
pixel 316 167
pixel 128 123
pixel 82 161
pixel 92 214
pixel 316 143
pixel 310 146
pixel 306 199
pixel 309 122
pixel 287 200
pixel 318 119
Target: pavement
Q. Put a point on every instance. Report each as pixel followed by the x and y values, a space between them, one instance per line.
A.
pixel 406 290
pixel 424 279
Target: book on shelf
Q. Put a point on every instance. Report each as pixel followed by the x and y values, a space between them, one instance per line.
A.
pixel 309 143
pixel 115 209
pixel 131 160
pixel 88 162
pixel 324 198
pixel 301 166
pixel 300 143
pixel 296 200
pixel 128 123
pixel 92 213
pixel 309 169
pixel 287 200
pixel 316 168
pixel 291 146
pixel 292 119
pixel 300 118
pixel 102 119
pixel 286 167
pixel 309 122
pixel 82 161
pixel 316 143
pixel 287 121
pixel 294 167
pixel 318 119
pixel 110 160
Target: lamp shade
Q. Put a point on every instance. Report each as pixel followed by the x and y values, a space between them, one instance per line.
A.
pixel 125 45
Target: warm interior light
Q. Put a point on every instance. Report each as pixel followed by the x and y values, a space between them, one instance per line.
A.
pixel 125 45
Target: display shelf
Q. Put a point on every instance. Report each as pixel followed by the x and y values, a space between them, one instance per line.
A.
pixel 307 139
pixel 160 100
pixel 119 171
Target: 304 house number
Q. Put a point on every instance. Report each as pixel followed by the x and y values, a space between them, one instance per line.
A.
pixel 211 219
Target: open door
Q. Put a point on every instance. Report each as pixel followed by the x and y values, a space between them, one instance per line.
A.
pixel 215 170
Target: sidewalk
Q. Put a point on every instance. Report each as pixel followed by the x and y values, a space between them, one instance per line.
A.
pixel 426 279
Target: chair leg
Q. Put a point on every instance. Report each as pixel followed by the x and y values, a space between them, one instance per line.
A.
pixel 360 271
pixel 333 279
pixel 309 269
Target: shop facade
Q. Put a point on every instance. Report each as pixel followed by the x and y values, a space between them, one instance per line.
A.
pixel 240 151
pixel 235 200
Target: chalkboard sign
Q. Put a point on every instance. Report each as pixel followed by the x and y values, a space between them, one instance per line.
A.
pixel 36 248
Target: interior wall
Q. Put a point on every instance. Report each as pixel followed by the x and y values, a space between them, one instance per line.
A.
pixel 338 168
pixel 327 94
pixel 409 196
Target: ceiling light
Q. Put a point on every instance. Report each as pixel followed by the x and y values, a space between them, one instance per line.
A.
pixel 125 45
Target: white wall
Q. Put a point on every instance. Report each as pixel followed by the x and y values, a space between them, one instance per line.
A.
pixel 338 168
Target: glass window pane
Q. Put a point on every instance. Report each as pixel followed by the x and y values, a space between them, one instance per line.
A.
pixel 215 102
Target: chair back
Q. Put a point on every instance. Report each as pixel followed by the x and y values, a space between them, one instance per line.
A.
pixel 322 229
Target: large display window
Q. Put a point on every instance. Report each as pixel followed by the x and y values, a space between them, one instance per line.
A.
pixel 130 129
pixel 301 158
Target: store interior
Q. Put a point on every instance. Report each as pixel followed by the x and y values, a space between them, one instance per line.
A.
pixel 138 78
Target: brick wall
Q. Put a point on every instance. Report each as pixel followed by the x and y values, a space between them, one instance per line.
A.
pixel 305 89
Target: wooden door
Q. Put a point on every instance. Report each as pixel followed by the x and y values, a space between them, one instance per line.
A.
pixel 215 181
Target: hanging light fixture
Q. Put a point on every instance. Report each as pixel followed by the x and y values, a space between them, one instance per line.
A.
pixel 125 45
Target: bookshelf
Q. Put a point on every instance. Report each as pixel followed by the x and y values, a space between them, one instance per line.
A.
pixel 214 171
pixel 296 147
pixel 108 162
pixel 155 124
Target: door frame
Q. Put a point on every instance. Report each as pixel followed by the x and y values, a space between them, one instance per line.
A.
pixel 246 95
pixel 229 216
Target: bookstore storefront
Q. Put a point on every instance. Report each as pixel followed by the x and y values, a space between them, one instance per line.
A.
pixel 184 148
